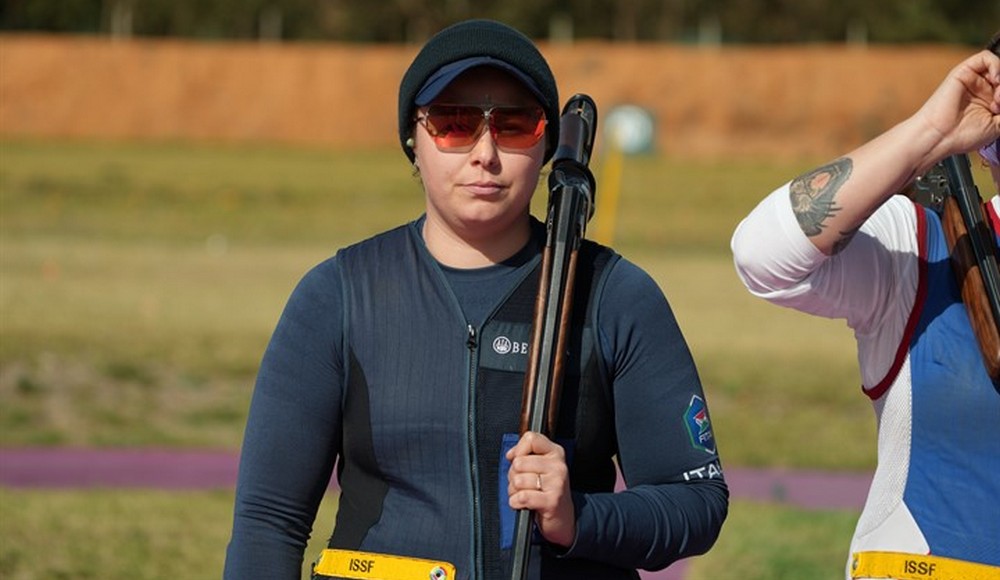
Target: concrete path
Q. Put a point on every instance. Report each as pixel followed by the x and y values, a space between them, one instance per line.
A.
pixel 178 469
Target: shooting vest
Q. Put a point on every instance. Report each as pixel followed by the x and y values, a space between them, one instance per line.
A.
pixel 937 487
pixel 431 404
pixel 955 447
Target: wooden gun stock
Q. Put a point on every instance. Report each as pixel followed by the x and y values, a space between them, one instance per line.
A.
pixel 537 338
pixel 972 286
pixel 534 350
pixel 950 191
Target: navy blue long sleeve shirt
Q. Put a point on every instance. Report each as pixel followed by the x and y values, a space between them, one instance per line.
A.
pixel 676 498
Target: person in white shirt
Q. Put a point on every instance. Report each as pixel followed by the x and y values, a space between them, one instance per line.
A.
pixel 840 242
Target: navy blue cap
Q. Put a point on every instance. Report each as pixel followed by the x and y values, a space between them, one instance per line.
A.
pixel 449 72
pixel 470 43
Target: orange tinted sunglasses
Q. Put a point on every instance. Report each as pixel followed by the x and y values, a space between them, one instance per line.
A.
pixel 459 127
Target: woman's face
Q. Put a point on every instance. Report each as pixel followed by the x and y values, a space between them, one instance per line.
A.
pixel 484 189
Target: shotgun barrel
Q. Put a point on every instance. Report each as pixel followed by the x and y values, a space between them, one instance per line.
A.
pixel 571 204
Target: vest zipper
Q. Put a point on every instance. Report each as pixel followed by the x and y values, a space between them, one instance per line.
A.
pixel 472 342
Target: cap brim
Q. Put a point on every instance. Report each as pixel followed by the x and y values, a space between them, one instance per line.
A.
pixel 443 77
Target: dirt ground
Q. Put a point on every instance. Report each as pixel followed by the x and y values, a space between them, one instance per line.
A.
pixel 728 101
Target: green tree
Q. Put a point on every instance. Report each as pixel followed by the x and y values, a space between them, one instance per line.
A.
pixel 730 21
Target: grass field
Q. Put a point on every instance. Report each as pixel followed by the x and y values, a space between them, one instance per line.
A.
pixel 139 285
pixel 157 535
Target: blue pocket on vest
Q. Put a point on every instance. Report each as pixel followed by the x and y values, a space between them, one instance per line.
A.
pixel 508 516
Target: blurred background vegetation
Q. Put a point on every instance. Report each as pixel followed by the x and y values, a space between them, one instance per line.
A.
pixel 140 284
pixel 704 21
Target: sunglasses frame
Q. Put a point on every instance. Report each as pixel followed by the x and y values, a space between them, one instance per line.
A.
pixel 465 144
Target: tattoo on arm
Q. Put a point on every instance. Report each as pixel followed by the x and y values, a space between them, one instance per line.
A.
pixel 813 194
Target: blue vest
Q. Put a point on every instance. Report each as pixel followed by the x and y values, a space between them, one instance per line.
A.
pixel 429 400
pixel 953 485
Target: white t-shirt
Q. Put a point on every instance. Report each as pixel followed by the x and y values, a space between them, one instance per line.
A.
pixel 873 285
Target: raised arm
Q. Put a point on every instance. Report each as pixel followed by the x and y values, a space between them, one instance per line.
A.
pixel 831 202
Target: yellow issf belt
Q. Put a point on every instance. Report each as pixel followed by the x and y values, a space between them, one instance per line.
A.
pixel 370 566
pixel 901 566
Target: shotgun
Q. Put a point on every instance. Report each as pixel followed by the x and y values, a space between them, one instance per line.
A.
pixel 570 207
pixel 949 189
